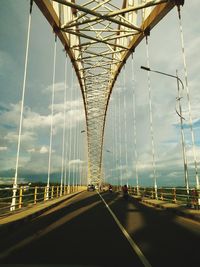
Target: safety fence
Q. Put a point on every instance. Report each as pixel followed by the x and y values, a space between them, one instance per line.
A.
pixel 26 196
pixel 190 197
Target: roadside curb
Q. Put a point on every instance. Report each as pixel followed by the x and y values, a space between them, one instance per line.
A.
pixel 9 226
pixel 179 211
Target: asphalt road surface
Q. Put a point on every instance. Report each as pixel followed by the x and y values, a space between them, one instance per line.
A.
pixel 92 230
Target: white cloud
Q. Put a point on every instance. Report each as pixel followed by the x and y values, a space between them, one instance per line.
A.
pixel 3 148
pixel 58 87
pixel 12 115
pixel 9 180
pixel 69 105
pixel 44 150
pixel 25 137
pixel 76 162
pixel 34 121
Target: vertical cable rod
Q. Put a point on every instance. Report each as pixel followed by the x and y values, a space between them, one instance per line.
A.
pixel 77 142
pixel 70 132
pixel 125 126
pixel 188 97
pixel 115 139
pixel 80 144
pixel 64 129
pixel 65 163
pixel 120 139
pixel 112 132
pixel 13 203
pixel 66 181
pixel 151 121
pixel 135 129
pixel 74 144
pixel 52 114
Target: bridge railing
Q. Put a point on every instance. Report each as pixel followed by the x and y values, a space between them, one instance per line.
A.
pixel 31 195
pixel 190 197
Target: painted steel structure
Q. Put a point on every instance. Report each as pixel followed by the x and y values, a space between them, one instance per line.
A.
pixel 99 36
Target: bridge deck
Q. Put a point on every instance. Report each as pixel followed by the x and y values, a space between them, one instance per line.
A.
pixel 82 232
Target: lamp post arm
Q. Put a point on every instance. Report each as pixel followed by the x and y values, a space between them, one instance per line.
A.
pixel 164 73
pixel 170 75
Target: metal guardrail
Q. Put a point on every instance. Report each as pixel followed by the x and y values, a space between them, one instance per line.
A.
pixel 190 198
pixel 27 196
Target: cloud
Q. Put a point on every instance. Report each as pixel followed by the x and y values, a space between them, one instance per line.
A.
pixel 11 115
pixel 69 105
pixel 3 148
pixel 76 162
pixel 44 150
pixel 41 150
pixel 25 137
pixel 58 87
pixel 33 120
pixel 9 180
pixel 31 150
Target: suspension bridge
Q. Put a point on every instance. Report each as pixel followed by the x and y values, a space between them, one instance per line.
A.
pixel 98 128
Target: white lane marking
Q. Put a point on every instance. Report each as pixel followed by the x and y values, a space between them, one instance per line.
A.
pixel 130 240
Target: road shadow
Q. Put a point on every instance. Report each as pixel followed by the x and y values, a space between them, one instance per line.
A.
pixel 80 234
pixel 158 233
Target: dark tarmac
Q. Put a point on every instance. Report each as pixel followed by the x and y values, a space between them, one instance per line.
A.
pixel 82 232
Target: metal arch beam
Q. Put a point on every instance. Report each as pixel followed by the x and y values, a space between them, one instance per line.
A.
pixel 92 38
pixel 123 45
pixel 96 14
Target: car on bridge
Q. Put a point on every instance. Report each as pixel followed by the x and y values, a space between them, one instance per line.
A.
pixel 90 187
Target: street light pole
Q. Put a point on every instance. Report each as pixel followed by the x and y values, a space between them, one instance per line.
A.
pixel 182 137
pixel 179 81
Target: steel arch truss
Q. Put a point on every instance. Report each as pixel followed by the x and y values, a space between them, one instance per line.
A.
pixel 99 35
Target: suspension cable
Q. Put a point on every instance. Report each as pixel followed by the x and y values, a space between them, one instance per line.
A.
pixel 65 163
pixel 74 146
pixel 52 114
pixel 112 124
pixel 12 207
pixel 135 129
pixel 70 134
pixel 64 129
pixel 125 126
pixel 77 141
pixel 120 139
pixel 113 139
pixel 115 151
pixel 151 121
pixel 188 96
pixel 79 144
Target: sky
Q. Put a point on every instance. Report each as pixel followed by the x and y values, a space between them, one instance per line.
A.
pixel 165 55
